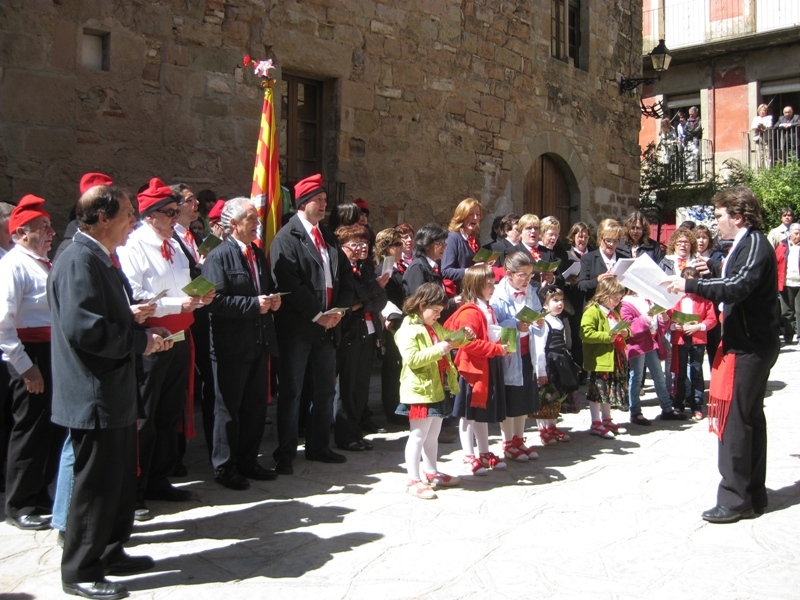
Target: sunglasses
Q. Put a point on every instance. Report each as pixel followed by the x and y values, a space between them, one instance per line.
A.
pixel 169 212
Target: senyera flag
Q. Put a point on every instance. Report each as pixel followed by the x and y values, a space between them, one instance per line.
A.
pixel 266 190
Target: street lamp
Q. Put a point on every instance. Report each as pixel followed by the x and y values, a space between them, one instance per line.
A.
pixel 660 57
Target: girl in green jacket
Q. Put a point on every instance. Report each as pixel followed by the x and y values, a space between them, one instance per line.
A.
pixel 604 356
pixel 426 377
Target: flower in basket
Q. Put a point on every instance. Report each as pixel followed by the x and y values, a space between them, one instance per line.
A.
pixel 549 396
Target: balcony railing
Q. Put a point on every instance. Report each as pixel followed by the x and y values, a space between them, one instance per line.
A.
pixel 773 145
pixel 695 22
pixel 689 163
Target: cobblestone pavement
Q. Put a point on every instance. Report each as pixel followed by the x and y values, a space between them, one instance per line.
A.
pixel 592 518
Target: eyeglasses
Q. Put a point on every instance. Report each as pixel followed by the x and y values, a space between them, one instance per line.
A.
pixel 356 245
pixel 440 243
pixel 609 242
pixel 520 275
pixel 396 245
pixel 169 212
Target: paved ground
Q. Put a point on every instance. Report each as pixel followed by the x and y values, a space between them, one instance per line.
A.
pixel 591 518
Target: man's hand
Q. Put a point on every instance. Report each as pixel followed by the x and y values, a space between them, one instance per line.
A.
pixel 156 341
pixel 275 303
pixel 675 284
pixel 541 380
pixel 264 304
pixel 190 303
pixel 34 382
pixel 208 298
pixel 330 321
pixel 701 264
pixel 142 312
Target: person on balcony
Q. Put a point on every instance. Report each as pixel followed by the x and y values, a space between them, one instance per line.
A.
pixel 669 147
pixel 762 122
pixel 693 133
pixel 788 124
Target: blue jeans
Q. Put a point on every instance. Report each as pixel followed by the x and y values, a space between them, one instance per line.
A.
pixel 691 364
pixel 636 366
pixel 64 483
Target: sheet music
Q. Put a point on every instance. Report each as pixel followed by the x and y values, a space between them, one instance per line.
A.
pixel 644 277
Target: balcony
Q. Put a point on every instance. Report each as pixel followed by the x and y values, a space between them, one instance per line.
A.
pixel 774 145
pixel 686 164
pixel 695 22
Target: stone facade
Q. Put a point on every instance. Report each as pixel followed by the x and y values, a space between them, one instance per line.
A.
pixel 427 102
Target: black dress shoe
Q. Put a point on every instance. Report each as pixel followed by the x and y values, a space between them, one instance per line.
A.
pixel 259 473
pixel 351 447
pixel 29 522
pixel 231 479
pixel 326 456
pixel 130 565
pixel 169 494
pixel 720 514
pixel 672 415
pixel 640 419
pixel 284 468
pixel 180 470
pixel 141 512
pixel 104 590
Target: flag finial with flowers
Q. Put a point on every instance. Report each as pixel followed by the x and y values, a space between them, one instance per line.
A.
pixel 266 189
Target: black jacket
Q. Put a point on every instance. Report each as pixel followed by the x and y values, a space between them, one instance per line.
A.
pixel 750 293
pixel 238 330
pixel 592 265
pixel 297 269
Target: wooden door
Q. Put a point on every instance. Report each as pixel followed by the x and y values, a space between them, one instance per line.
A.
pixel 546 193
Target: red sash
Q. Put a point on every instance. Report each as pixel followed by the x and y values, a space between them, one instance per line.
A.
pixel 34 335
pixel 720 391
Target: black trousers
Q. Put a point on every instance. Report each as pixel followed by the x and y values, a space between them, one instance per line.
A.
pixel 390 376
pixel 34 441
pixel 295 356
pixel 100 516
pixel 743 449
pixel 204 387
pixel 163 392
pixel 6 419
pixel 354 366
pixel 240 411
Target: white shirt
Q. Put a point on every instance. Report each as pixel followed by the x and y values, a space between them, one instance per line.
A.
pixel 610 262
pixel 148 272
pixel 793 265
pixel 243 247
pixel 23 302
pixel 326 266
pixel 190 243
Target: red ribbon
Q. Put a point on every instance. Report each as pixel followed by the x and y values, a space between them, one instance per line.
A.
pixel 472 243
pixel 167 251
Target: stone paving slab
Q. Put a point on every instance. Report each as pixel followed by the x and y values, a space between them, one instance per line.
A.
pixel 592 518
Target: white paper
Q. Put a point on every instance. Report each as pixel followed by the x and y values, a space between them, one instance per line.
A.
pixel 391 310
pixel 387 265
pixel 574 269
pixel 644 277
pixel 176 337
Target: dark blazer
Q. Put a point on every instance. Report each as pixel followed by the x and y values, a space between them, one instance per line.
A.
pixel 457 258
pixel 419 272
pixel 95 340
pixel 592 265
pixel 238 330
pixel 297 269
pixel 194 269
pixel 750 293
pixel 652 248
pixel 367 291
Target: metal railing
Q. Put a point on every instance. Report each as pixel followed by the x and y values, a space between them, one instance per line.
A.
pixel 692 162
pixel 695 22
pixel 771 146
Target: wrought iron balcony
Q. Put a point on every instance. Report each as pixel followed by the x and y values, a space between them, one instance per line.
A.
pixel 771 146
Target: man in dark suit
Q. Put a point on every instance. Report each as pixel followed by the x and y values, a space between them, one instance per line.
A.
pixel 746 285
pixel 243 338
pixel 308 263
pixel 94 344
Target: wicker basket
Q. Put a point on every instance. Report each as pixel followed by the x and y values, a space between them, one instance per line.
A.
pixel 549 411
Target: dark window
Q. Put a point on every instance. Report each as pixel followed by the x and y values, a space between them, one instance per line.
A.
pixel 565 31
pixel 301 127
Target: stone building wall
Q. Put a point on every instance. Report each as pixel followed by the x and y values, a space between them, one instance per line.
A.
pixel 430 101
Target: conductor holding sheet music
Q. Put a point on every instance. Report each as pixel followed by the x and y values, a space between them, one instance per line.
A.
pixel 745 284
pixel 308 263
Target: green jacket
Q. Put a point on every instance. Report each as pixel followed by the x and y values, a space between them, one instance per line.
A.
pixel 420 382
pixel 598 349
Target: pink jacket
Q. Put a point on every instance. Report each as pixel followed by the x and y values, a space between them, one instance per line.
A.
pixel 641 340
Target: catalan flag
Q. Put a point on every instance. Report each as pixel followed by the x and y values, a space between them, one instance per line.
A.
pixel 266 189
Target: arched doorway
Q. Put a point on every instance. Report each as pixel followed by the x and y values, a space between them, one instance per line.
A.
pixel 546 191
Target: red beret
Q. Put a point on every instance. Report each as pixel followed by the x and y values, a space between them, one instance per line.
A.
pixel 362 204
pixel 155 196
pixel 89 180
pixel 26 210
pixel 307 188
pixel 216 211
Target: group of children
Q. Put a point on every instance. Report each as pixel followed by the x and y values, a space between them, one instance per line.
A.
pixel 502 377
